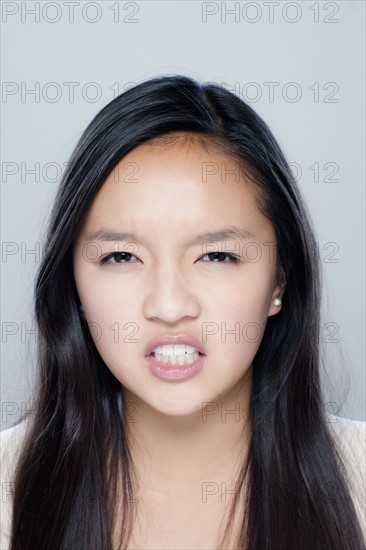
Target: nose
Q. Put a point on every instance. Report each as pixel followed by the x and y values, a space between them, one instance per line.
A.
pixel 169 298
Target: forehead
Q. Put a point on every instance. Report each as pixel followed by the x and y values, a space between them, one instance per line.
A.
pixel 177 182
pixel 180 160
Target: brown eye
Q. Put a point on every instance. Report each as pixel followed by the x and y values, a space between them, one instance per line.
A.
pixel 117 258
pixel 218 256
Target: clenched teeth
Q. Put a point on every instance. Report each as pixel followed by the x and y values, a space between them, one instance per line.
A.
pixel 180 354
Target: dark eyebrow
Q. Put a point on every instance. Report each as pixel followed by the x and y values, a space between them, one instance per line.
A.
pixel 110 235
pixel 224 234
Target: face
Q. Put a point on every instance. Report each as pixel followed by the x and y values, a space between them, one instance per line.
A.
pixel 167 280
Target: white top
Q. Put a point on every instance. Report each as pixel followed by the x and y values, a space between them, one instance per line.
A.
pixel 350 436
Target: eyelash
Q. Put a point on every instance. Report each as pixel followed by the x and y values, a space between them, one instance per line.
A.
pixel 232 258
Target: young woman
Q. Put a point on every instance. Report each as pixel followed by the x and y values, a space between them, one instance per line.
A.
pixel 178 308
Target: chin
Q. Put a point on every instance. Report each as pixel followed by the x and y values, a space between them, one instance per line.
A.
pixel 172 408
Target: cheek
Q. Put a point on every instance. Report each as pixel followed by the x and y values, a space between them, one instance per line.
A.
pixel 102 296
pixel 117 336
pixel 245 300
pixel 111 315
pixel 116 322
pixel 238 320
pixel 238 330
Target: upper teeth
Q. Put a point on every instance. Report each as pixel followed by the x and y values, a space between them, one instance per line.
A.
pixel 177 349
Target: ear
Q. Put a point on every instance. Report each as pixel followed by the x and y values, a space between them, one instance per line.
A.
pixel 81 311
pixel 278 292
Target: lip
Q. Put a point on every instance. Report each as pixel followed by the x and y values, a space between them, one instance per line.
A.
pixel 171 339
pixel 175 372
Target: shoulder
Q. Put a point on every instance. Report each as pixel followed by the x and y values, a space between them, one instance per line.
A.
pixel 11 441
pixel 350 438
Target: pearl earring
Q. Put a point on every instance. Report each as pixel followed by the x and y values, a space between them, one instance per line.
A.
pixel 277 301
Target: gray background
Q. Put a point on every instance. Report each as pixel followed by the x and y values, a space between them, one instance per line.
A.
pixel 310 55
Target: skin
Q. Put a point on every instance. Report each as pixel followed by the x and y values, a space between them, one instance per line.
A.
pixel 166 287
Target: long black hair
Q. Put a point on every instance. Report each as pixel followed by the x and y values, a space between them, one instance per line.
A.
pixel 75 473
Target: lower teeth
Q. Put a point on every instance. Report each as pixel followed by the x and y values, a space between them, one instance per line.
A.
pixel 176 359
